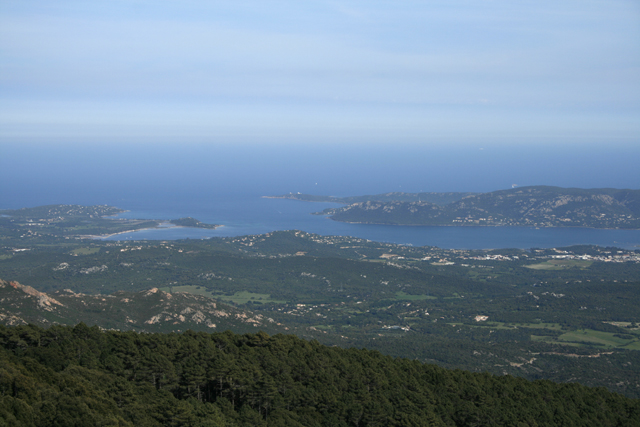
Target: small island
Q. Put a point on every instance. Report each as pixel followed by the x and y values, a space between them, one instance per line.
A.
pixel 192 223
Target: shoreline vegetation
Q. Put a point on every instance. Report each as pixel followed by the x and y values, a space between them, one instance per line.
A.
pixel 536 206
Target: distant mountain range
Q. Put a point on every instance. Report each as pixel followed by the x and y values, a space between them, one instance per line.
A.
pixel 537 206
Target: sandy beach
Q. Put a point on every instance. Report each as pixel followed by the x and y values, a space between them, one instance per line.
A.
pixel 161 226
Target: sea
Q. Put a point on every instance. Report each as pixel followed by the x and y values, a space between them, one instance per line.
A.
pixel 224 183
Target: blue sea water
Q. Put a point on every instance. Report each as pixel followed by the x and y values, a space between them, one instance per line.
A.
pixel 223 184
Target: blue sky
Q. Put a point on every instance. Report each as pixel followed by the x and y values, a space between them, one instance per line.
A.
pixel 385 71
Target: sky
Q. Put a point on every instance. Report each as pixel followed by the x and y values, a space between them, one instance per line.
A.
pixel 386 71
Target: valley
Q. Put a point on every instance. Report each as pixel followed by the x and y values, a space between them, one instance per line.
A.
pixel 563 314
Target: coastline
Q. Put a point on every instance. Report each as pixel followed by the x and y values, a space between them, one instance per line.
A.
pixel 106 236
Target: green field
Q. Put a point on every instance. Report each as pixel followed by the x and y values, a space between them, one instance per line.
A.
pixel 560 264
pixel 241 297
pixel 578 338
pixel 551 326
pixel 588 337
pixel 85 251
pixel 629 325
pixel 402 296
pixel 502 325
pixel 581 337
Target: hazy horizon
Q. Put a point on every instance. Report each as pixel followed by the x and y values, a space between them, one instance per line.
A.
pixel 320 71
pixel 327 97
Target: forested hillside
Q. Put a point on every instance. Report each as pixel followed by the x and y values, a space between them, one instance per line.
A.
pixel 78 376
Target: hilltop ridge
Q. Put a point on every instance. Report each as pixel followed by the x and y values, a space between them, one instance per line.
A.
pixel 150 310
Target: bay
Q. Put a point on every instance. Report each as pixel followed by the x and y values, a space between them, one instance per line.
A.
pixel 255 215
pixel 222 183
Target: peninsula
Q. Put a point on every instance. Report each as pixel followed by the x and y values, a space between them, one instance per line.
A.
pixel 78 221
pixel 535 206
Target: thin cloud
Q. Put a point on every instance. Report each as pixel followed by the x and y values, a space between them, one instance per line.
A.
pixel 334 61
